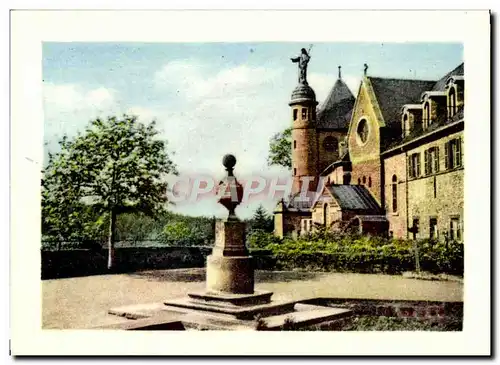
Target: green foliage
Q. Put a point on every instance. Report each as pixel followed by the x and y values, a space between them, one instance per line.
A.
pixel 259 239
pixel 324 251
pixel 188 231
pixel 138 227
pixel 117 165
pixel 280 149
pixel 72 222
pixel 261 221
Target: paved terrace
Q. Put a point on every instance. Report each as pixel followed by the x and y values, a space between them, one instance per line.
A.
pixel 83 302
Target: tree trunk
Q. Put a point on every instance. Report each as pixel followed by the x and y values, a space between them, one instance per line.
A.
pixel 111 239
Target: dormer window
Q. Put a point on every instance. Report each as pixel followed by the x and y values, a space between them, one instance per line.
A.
pixel 427 115
pixel 452 102
pixel 454 94
pixel 411 118
pixel 406 129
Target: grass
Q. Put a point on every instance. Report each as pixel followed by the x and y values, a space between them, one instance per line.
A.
pixel 374 323
pixel 379 323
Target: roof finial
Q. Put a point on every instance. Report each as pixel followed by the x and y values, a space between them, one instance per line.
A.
pixel 366 69
pixel 340 72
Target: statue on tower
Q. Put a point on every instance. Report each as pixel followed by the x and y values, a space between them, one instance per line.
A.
pixel 302 60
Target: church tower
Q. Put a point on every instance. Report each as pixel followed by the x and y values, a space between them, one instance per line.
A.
pixel 304 139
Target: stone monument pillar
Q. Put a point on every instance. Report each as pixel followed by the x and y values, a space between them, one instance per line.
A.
pixel 229 267
pixel 230 270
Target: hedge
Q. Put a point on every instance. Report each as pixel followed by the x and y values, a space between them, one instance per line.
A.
pixel 361 254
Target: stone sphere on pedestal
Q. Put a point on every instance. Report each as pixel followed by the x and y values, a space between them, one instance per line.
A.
pixel 229 267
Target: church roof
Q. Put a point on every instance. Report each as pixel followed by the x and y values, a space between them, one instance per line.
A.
pixel 394 139
pixel 354 197
pixel 297 204
pixel 335 112
pixel 392 94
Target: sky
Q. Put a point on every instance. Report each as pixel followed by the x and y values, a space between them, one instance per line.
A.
pixel 210 99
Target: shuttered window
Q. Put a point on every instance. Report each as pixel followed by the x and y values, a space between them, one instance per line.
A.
pixel 436 159
pixel 453 153
pixel 426 162
pixel 414 165
pixel 431 157
pixel 417 158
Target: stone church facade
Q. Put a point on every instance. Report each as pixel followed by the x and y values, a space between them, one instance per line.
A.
pixel 389 161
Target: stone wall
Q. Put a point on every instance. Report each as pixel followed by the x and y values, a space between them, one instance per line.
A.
pixel 440 195
pixel 368 173
pixel 396 166
pixel 72 263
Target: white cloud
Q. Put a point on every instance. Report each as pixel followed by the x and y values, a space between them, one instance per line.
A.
pixel 71 97
pixel 100 97
pixel 194 81
pixel 144 114
pixel 352 83
pixel 69 107
pixel 233 110
pixel 323 83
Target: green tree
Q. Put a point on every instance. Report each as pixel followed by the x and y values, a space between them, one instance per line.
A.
pixel 117 165
pixel 261 220
pixel 280 149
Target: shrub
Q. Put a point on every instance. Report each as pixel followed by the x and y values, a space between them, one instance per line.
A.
pixel 323 251
pixel 259 239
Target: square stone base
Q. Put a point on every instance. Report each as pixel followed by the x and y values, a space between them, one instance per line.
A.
pixel 183 314
pixel 258 297
pixel 227 309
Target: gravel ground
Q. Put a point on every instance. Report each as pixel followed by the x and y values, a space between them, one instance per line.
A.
pixel 83 302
